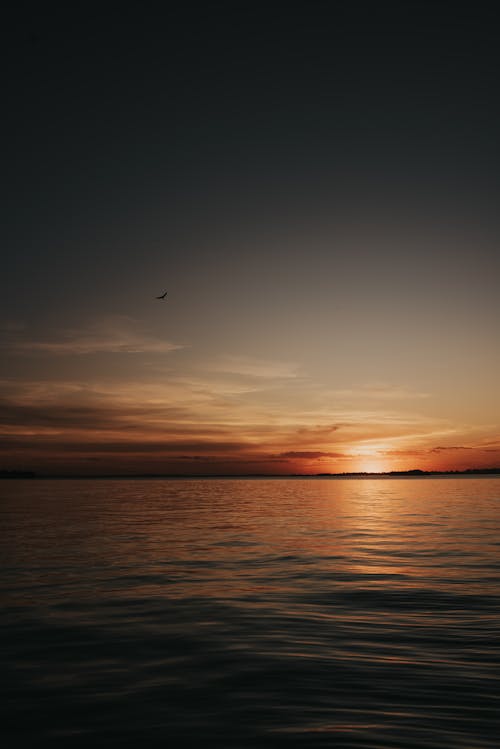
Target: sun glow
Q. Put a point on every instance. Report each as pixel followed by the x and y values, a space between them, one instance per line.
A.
pixel 370 459
pixel 371 465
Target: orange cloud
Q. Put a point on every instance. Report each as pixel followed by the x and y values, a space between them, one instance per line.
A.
pixel 261 418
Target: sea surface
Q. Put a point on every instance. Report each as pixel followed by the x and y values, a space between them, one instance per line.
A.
pixel 251 613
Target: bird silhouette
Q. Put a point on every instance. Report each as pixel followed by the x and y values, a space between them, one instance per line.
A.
pixel 162 296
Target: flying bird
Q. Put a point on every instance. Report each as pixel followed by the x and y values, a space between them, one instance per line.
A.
pixel 162 296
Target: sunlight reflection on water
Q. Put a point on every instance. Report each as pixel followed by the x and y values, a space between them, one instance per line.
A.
pixel 354 613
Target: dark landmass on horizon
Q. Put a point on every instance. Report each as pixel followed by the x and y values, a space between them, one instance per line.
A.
pixel 386 474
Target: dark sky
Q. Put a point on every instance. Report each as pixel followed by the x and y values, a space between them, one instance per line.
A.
pixel 278 169
pixel 119 121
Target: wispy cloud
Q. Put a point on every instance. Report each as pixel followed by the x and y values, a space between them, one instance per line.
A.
pixel 308 455
pixel 221 418
pixel 248 366
pixel 381 391
pixel 112 335
pixel 440 449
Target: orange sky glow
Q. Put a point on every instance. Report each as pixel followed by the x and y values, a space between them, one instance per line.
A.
pixel 118 400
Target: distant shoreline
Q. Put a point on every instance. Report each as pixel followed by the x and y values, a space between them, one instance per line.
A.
pixel 415 473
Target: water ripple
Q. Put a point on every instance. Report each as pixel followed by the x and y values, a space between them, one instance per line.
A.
pixel 359 614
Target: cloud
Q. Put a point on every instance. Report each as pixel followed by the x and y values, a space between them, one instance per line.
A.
pixel 450 447
pixel 379 392
pixel 203 449
pixel 112 335
pixel 216 417
pixel 248 366
pixel 308 455
pixel 317 431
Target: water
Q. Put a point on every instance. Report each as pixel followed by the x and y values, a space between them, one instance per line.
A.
pixel 251 613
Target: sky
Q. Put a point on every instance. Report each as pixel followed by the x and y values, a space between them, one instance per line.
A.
pixel 315 186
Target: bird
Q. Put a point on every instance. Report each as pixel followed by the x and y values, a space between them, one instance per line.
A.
pixel 162 296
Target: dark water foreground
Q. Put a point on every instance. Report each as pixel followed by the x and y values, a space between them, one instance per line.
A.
pixel 240 613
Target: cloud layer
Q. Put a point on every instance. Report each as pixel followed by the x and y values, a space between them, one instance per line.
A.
pixel 203 424
pixel 112 335
pixel 74 400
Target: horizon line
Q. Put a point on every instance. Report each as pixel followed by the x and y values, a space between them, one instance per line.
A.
pixel 414 472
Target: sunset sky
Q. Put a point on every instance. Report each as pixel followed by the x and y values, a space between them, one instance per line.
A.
pixel 317 191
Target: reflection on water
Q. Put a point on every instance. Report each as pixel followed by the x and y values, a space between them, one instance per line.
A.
pixel 245 613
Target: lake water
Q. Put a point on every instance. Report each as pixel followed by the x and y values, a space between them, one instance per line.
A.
pixel 251 613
